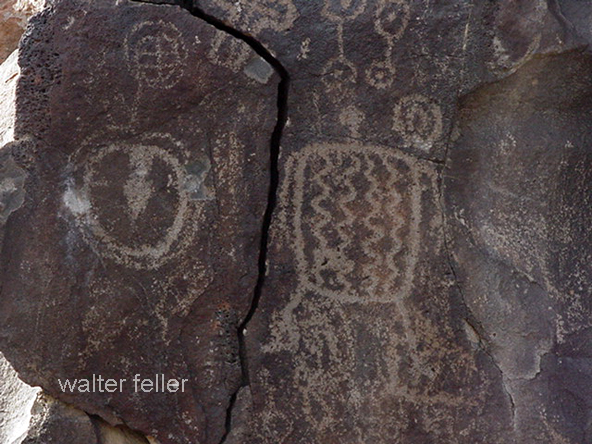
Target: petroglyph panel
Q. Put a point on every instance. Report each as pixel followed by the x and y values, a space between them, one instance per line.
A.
pixel 133 201
pixel 147 177
pixel 156 53
pixel 356 217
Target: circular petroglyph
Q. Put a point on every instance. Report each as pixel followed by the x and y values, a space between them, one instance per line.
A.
pixel 133 202
pixel 392 18
pixel 381 74
pixel 419 121
pixel 339 74
pixel 155 53
pixel 278 15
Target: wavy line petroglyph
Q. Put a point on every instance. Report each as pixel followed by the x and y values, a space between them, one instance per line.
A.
pixel 354 212
pixel 349 212
pixel 353 207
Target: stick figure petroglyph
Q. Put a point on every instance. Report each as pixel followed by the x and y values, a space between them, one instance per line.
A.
pixel 340 71
pixel 392 18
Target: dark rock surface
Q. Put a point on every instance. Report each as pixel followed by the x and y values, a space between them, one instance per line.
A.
pixel 364 332
pixel 427 269
pixel 518 187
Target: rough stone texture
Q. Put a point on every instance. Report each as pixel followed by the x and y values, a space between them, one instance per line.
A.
pixel 27 416
pixel 53 422
pixel 16 401
pixel 133 248
pixel 13 21
pixel 428 262
pixel 518 186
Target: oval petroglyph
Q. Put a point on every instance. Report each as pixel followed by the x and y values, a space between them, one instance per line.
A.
pixel 229 51
pixel 259 15
pixel 392 18
pixel 142 220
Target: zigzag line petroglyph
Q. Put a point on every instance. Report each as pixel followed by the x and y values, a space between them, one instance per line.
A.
pixel 337 208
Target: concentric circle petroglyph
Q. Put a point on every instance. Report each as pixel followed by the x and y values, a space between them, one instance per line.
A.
pixel 132 201
pixel 381 74
pixel 419 121
pixel 156 53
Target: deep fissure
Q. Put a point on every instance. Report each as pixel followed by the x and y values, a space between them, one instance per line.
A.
pixel 274 152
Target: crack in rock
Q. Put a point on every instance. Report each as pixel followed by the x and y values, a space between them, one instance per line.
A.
pixel 257 71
